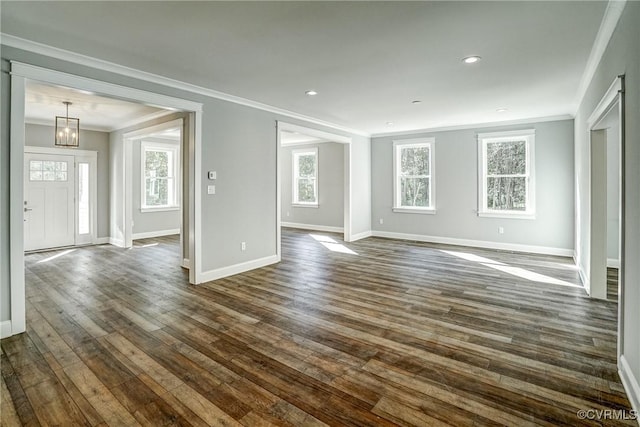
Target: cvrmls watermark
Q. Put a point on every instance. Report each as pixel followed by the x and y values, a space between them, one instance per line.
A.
pixel 607 414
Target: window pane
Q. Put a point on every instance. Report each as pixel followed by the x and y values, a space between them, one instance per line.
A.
pixel 35 165
pixel 506 193
pixel 49 166
pixel 414 192
pixel 157 163
pixel 49 175
pixel 61 176
pixel 157 193
pixel 506 158
pixel 414 161
pixel 83 198
pixel 35 175
pixel 306 190
pixel 307 165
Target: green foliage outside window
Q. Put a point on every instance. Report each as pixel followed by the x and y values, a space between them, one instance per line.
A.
pixel 415 177
pixel 506 176
pixel 157 179
pixel 306 178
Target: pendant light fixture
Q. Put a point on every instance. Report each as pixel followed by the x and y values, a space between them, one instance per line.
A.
pixel 67 130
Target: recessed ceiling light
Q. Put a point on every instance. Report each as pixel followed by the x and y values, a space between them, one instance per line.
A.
pixel 471 59
pixel 389 123
pixel 417 101
pixel 501 110
pixel 311 93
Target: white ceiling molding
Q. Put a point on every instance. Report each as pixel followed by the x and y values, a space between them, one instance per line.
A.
pixel 477 126
pixel 609 22
pixel 76 58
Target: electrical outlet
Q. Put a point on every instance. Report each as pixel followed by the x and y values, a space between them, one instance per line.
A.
pixel 501 230
pixel 243 246
pixel 211 189
pixel 381 221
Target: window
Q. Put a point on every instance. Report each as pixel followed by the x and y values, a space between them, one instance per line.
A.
pixel 506 181
pixel 305 177
pixel 47 170
pixel 160 181
pixel 414 186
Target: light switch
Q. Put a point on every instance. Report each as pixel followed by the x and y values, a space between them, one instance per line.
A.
pixel 212 175
pixel 211 189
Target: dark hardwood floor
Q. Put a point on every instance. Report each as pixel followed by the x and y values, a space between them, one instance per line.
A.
pixel 396 333
pixel 612 283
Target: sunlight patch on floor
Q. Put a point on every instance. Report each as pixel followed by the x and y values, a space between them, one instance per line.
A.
pixel 332 245
pixel 144 246
pixel 63 253
pixel 514 271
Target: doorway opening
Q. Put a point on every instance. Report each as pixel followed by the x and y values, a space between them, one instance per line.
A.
pixel 21 74
pixel 302 201
pixel 154 183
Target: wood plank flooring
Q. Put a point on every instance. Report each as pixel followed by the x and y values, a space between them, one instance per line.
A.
pixel 397 333
pixel 612 283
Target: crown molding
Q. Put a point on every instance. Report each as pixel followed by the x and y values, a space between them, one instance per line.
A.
pixel 612 15
pixel 476 126
pixel 92 62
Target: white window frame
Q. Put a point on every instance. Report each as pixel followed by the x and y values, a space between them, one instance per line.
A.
pixel 174 190
pixel 528 135
pixel 295 154
pixel 398 145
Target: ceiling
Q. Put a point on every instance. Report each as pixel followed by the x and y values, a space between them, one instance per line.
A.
pixel 367 60
pixel 44 102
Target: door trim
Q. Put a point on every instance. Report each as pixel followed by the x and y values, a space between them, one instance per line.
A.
pixel 614 97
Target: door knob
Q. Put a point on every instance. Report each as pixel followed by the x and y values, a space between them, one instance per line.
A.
pixel 28 209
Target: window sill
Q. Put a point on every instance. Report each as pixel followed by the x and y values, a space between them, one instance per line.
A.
pixel 160 209
pixel 305 205
pixel 513 215
pixel 427 211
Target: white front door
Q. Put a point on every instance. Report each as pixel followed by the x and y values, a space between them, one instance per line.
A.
pixel 49 191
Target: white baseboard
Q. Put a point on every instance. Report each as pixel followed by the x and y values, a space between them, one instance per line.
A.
pixel 630 383
pixel 476 243
pixel 219 273
pixel 584 279
pixel 613 263
pixel 360 236
pixel 186 263
pixel 313 227
pixel 5 329
pixel 116 242
pixel 102 240
pixel 159 233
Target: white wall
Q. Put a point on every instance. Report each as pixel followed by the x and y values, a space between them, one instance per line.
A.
pixel 42 136
pixel 621 57
pixel 456 184
pixel 330 210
